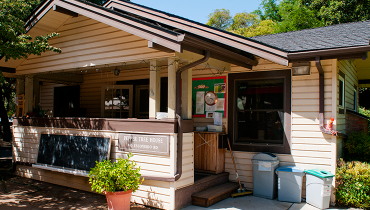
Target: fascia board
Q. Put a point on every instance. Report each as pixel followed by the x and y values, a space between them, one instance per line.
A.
pixel 204 31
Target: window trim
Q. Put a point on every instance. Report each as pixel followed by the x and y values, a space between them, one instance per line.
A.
pixel 232 79
pixel 342 78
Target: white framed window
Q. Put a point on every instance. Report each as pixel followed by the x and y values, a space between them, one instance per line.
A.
pixel 341 97
pixel 355 100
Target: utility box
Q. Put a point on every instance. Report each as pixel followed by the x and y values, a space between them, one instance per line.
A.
pixel 318 187
pixel 290 180
pixel 264 177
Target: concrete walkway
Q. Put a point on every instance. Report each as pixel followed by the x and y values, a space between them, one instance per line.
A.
pixel 251 202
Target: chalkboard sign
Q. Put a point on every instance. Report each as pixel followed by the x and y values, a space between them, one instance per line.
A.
pixel 75 152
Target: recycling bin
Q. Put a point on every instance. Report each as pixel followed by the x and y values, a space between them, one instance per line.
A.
pixel 318 187
pixel 264 177
pixel 289 183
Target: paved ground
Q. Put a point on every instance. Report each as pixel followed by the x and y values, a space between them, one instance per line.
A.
pixel 252 203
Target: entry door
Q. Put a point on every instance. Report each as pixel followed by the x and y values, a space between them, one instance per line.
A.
pixel 142 102
pixel 117 101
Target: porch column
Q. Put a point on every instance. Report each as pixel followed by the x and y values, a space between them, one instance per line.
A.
pixel 36 91
pixel 154 88
pixel 172 68
pixel 20 87
pixel 187 77
pixel 28 94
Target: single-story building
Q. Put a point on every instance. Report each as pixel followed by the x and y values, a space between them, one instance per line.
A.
pixel 144 80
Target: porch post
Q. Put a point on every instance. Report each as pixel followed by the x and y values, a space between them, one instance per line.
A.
pixel 20 87
pixel 154 88
pixel 36 91
pixel 28 94
pixel 172 68
pixel 187 77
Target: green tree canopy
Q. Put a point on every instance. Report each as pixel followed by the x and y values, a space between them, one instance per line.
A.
pixel 276 16
pixel 245 24
pixel 220 19
pixel 16 44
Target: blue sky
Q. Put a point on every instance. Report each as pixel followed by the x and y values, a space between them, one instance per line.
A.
pixel 198 10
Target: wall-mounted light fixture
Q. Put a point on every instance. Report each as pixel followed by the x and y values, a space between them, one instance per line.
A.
pixel 301 68
pixel 116 71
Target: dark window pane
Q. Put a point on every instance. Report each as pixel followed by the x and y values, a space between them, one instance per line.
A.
pixel 260 111
pixel 260 94
pixel 260 127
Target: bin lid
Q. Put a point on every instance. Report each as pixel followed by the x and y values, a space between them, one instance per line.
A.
pixel 290 169
pixel 319 173
pixel 266 157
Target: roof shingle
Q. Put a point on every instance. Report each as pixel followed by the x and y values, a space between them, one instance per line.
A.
pixel 329 37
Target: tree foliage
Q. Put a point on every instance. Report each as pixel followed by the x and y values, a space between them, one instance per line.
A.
pixel 16 44
pixel 276 16
pixel 220 19
pixel 245 24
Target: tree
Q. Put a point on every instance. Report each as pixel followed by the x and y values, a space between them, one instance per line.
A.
pixel 220 19
pixel 16 44
pixel 340 11
pixel 292 15
pixel 268 10
pixel 245 24
pixel 295 15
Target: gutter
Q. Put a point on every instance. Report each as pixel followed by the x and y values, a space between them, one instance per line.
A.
pixel 179 122
pixel 321 99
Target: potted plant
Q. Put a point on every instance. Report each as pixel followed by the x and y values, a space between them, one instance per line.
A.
pixel 116 180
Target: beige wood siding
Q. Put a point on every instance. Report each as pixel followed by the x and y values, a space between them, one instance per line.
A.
pixel 47 96
pixel 84 41
pixel 90 89
pixel 310 148
pixel 351 80
pixel 153 193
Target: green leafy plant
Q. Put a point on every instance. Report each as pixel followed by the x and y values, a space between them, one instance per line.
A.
pixel 353 184
pixel 366 112
pixel 357 147
pixel 122 175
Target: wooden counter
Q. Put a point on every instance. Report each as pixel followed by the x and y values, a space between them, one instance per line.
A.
pixel 208 157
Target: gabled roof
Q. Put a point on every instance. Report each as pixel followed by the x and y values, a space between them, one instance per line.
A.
pixel 329 37
pixel 168 32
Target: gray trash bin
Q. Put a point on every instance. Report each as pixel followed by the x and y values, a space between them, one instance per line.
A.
pixel 318 187
pixel 290 183
pixel 264 177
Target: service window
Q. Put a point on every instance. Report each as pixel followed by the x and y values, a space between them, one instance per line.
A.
pixel 261 106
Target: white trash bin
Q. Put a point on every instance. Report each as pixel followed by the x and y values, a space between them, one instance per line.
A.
pixel 318 187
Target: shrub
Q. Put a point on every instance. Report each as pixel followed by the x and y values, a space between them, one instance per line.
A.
pixel 122 175
pixel 365 112
pixel 353 184
pixel 357 147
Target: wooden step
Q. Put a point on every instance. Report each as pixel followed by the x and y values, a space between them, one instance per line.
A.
pixel 213 195
pixel 210 181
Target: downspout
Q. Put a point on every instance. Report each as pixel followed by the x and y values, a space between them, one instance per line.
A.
pixel 179 121
pixel 321 102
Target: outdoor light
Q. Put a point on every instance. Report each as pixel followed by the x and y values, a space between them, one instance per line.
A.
pixel 301 68
pixel 116 71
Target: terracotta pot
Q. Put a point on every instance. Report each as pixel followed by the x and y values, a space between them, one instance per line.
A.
pixel 119 200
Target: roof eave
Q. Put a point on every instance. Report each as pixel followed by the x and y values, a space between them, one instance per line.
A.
pixel 337 53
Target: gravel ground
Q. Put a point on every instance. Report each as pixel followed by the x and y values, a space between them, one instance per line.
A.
pixel 17 193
